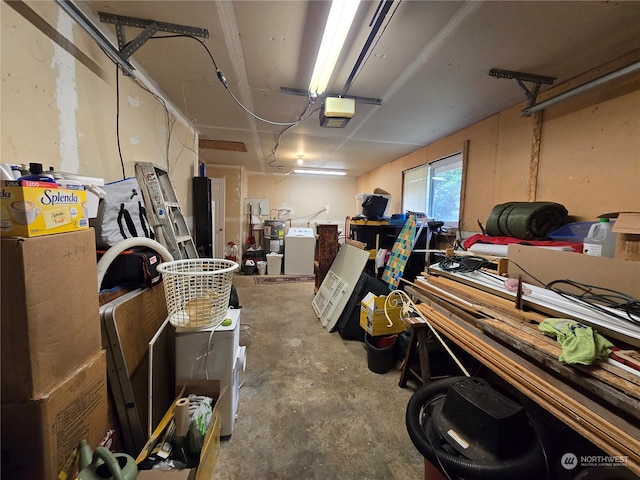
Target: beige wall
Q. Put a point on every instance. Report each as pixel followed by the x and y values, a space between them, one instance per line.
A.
pixel 59 105
pixel 306 197
pixel 589 154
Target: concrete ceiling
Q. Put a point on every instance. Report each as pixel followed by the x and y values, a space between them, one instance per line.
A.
pixel 429 65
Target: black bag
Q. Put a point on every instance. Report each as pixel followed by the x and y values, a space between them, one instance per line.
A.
pixel 134 268
pixel 349 322
pixel 374 206
pixel 121 214
pixel 234 301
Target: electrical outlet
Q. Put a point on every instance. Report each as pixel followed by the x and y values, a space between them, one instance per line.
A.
pixel 326 208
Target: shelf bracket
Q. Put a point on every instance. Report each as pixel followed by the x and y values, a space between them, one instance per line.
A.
pixel 519 77
pixel 149 28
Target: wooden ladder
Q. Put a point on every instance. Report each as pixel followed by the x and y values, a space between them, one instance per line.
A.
pixel 164 212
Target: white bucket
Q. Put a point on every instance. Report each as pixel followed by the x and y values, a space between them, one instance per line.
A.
pixel 262 267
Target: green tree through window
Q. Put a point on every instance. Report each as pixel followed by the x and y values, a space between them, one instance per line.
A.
pixel 434 189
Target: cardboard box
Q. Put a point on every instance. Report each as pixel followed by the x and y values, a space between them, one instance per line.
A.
pixel 627 230
pixel 211 446
pixel 374 321
pixel 547 265
pixel 35 208
pixel 39 435
pixel 49 313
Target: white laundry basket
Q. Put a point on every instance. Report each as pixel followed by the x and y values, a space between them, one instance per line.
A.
pixel 197 291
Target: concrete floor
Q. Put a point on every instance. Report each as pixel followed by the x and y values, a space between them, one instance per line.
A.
pixel 309 406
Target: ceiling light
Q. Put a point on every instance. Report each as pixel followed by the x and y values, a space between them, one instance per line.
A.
pixel 319 172
pixel 335 33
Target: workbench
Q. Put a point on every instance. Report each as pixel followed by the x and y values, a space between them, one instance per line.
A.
pixel 599 402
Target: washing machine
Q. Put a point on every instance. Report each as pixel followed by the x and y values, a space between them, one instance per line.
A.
pixel 299 251
pixel 214 354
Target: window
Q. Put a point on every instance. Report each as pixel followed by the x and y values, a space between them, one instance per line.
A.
pixel 434 189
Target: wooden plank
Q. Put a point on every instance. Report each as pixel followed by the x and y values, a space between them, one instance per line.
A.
pixel 590 419
pixel 448 290
pixel 600 382
pixel 483 302
pixel 487 299
pixel 532 187
pixel 357 244
pixel 463 185
pixel 222 145
pixel 614 375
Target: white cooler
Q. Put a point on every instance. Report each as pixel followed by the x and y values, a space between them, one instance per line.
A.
pixel 299 251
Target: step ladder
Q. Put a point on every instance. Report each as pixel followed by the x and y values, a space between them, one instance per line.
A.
pixel 164 212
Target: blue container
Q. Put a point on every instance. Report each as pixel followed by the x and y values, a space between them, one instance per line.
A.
pixel 571 232
pixel 398 219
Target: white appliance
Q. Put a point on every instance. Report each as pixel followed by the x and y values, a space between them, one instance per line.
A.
pixel 299 251
pixel 214 354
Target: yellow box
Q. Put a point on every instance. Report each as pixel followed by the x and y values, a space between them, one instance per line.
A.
pixel 34 209
pixel 374 321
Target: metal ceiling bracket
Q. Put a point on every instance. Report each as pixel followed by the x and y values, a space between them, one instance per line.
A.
pixel 150 27
pixel 88 26
pixel 305 93
pixel 519 77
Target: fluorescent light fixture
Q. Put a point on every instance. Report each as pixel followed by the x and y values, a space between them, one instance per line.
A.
pixel 335 33
pixel 319 172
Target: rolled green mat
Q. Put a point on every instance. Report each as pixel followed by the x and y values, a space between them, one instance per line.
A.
pixel 526 220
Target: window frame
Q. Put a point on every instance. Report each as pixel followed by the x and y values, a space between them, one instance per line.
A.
pixel 425 174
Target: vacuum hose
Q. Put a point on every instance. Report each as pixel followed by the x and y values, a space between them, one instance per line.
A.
pixel 528 465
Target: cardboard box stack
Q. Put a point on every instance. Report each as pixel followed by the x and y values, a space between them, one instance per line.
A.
pixel 54 387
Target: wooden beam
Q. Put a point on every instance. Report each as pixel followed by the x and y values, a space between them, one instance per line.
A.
pixel 535 156
pixel 463 183
pixel 606 385
pixel 222 145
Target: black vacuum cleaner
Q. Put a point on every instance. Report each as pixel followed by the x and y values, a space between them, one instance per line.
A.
pixel 471 431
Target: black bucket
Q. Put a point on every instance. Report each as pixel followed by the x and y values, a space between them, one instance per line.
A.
pixel 380 352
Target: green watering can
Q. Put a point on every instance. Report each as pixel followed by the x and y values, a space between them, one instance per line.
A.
pixel 104 465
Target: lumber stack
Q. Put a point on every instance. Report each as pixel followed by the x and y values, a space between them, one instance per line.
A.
pixel 601 402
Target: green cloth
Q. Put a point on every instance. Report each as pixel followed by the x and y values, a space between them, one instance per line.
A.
pixel 580 344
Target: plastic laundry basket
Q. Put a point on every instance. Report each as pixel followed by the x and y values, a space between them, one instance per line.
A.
pixel 197 291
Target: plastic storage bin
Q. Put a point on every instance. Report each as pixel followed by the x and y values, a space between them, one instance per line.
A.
pixel 274 263
pixel 571 232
